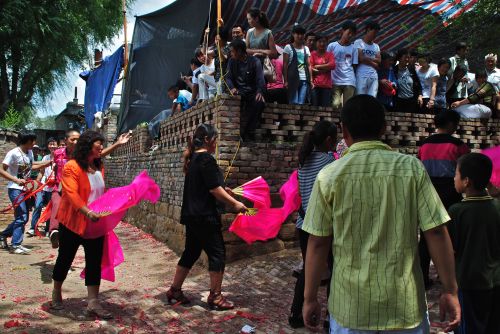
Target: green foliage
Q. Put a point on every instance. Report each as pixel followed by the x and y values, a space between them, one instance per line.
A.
pixel 47 123
pixel 40 40
pixel 12 119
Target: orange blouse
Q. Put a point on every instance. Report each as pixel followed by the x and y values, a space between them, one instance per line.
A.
pixel 75 195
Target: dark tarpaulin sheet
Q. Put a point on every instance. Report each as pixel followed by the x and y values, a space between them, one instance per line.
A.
pixel 162 46
pixel 100 85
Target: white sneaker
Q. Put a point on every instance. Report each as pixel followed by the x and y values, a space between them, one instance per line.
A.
pixel 31 232
pixel 24 248
pixel 19 250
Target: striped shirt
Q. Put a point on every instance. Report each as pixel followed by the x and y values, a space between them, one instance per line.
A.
pixel 373 201
pixel 307 175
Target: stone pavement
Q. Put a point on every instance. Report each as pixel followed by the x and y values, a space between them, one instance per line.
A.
pixel 261 287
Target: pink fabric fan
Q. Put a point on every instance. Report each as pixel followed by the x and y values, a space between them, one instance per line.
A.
pixel 116 201
pixel 290 194
pixel 256 190
pixel 264 225
pixel 494 154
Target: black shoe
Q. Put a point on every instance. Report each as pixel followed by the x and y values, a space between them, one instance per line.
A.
pixel 3 242
pixel 295 322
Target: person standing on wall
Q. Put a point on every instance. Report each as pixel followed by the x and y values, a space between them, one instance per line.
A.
pixel 16 168
pixel 343 76
pixel 368 61
pixel 297 76
pixel 322 63
pixel 459 60
pixel 409 91
pixel 203 187
pixel 260 40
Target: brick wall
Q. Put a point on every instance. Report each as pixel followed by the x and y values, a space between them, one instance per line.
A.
pixel 8 140
pixel 272 156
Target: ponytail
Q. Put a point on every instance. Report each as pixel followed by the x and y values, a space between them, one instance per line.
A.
pixel 202 132
pixel 261 16
pixel 316 139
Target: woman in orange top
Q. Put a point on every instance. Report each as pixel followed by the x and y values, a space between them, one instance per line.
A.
pixel 82 183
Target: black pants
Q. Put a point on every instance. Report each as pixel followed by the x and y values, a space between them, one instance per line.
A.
pixel 298 297
pixel 480 311
pixel 321 97
pixel 207 237
pixel 251 111
pixel 278 95
pixel 68 246
pixel 406 105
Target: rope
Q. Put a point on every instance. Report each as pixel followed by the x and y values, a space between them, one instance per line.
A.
pixel 232 160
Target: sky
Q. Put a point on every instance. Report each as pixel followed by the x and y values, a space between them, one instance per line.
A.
pixel 61 97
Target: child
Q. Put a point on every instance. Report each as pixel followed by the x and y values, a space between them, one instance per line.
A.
pixel 314 154
pixel 322 64
pixel 180 99
pixel 296 71
pixel 476 221
pixel 369 61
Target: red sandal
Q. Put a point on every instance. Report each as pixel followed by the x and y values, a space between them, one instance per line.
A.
pixel 175 296
pixel 216 301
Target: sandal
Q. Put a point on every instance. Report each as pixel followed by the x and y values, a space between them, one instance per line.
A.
pixel 216 301
pixel 97 311
pixel 56 303
pixel 175 296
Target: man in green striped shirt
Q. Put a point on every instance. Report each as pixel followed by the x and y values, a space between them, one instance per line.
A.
pixel 372 202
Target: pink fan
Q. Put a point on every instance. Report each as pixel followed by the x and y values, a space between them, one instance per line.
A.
pixel 256 190
pixel 494 154
pixel 263 225
pixel 116 201
pixel 290 195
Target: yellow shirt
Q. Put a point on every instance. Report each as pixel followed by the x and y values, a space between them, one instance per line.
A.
pixel 373 201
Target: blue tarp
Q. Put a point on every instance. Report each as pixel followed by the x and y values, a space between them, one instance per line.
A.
pixel 100 85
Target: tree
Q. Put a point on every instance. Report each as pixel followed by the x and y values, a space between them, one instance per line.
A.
pixel 40 40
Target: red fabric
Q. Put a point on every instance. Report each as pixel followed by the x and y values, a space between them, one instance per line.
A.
pixel 278 66
pixel 494 155
pixel 322 79
pixel 441 151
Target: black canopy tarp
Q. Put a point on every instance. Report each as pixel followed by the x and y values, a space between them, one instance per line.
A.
pixel 162 45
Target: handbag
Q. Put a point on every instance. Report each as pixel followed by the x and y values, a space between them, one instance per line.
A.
pixel 269 70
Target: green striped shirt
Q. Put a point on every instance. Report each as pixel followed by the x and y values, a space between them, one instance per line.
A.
pixel 373 201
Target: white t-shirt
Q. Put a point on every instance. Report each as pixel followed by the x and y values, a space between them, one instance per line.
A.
pixel 20 164
pixel 300 59
pixel 494 79
pixel 426 80
pixel 345 57
pixel 96 186
pixel 196 72
pixel 47 172
pixel 209 68
pixel 184 93
pixel 370 51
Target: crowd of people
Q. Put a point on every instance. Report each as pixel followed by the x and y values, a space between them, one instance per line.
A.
pixel 310 70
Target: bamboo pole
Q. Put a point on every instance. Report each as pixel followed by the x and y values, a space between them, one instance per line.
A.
pixel 125 52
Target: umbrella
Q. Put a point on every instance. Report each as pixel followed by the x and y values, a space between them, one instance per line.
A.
pixel 256 190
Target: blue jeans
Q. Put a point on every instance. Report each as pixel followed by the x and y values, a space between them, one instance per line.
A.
pixel 42 199
pixel 16 228
pixel 299 97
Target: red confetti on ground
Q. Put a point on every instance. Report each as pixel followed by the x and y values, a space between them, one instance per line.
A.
pixel 251 316
pixel 19 299
pixel 18 316
pixel 12 324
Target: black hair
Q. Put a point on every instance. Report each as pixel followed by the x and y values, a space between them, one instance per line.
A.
pixel 350 25
pixel 297 29
pixel 481 74
pixel 401 52
pixel 198 52
pixel 414 52
pixel 173 88
pixel 461 68
pixel 224 34
pixel 364 117
pixel 477 167
pixel 320 36
pixel 443 61
pixel 258 14
pixel 26 137
pixel 387 55
pixel 181 84
pixel 446 117
pixel 426 56
pixel 69 132
pixel 460 46
pixel 311 33
pixel 238 26
pixel 372 25
pixel 202 131
pixel 195 61
pixel 316 138
pixel 239 45
pixel 51 139
pixel 83 148
pixel 61 140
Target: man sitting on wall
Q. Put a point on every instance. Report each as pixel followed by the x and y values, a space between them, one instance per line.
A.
pixel 246 78
pixel 180 99
pixel 481 103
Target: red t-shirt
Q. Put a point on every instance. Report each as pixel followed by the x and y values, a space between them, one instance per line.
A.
pixel 322 79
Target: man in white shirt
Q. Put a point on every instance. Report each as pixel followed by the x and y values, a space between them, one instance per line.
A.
pixel 16 168
pixel 343 77
pixel 368 61
pixel 490 62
